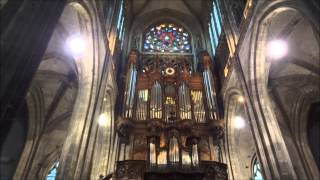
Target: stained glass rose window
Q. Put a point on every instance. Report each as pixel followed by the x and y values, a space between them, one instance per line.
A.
pixel 167 37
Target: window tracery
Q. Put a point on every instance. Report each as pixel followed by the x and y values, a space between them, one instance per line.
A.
pixel 167 37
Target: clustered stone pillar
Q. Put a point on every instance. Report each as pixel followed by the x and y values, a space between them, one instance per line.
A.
pixel 25 32
pixel 271 149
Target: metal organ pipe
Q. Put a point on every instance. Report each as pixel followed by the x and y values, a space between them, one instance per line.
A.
pixel 198 106
pixel 184 102
pixel 153 154
pixel 156 101
pixel 186 159
pixel 142 104
pixel 208 79
pixel 195 155
pixel 130 90
pixel 174 151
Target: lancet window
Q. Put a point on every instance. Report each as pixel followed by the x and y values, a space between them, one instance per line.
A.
pixel 53 171
pixel 257 172
pixel 120 20
pixel 215 26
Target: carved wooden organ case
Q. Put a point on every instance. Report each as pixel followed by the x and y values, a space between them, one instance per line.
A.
pixel 169 112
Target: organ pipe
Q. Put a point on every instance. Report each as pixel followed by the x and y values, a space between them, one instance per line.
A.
pixel 195 155
pixel 153 154
pixel 142 104
pixel 198 106
pixel 162 158
pixel 170 108
pixel 184 102
pixel 174 151
pixel 156 102
pixel 131 85
pixel 208 79
pixel 209 87
pixel 186 160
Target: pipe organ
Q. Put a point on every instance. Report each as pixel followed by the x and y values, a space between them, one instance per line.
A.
pixel 130 86
pixel 169 120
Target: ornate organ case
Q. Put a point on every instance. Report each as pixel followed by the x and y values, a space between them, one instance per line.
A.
pixel 169 123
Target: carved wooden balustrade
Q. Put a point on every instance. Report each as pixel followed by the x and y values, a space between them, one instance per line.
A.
pixel 138 170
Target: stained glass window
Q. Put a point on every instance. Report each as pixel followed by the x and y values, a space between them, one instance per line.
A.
pixel 257 174
pixel 167 37
pixel 215 26
pixel 120 22
pixel 53 172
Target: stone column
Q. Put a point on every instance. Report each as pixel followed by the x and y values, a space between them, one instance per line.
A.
pixel 271 150
pixel 24 39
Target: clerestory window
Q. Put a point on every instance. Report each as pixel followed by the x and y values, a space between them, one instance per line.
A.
pixel 215 26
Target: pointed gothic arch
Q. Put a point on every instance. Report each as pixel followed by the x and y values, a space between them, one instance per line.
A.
pixel 269 119
pixel 239 144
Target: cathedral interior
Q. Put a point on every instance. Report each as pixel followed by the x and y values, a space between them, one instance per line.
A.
pixel 160 90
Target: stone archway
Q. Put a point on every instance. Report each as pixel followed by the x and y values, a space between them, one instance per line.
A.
pixel 293 84
pixel 50 101
pixel 239 145
pixel 77 21
pixel 79 147
pixel 276 20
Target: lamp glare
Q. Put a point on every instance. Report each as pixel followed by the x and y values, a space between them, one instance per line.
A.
pixel 277 49
pixel 239 122
pixel 76 45
pixel 241 99
pixel 102 121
